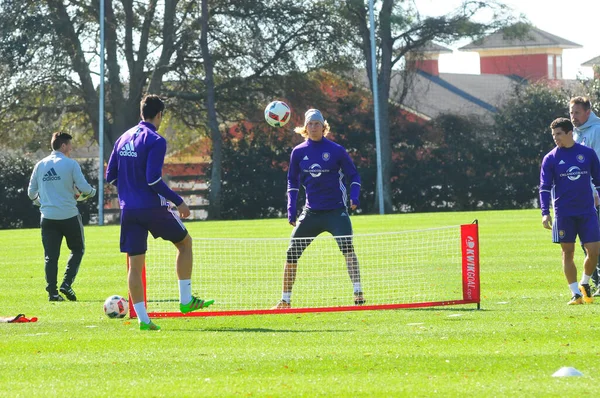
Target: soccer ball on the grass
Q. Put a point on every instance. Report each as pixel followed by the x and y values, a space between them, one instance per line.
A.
pixel 277 113
pixel 115 307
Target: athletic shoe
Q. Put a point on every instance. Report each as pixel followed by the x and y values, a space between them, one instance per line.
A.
pixel 149 326
pixel 597 293
pixel 68 292
pixel 576 299
pixel 55 297
pixel 359 298
pixel 586 292
pixel 281 305
pixel 194 304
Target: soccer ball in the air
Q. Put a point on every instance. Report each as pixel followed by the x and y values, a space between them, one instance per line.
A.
pixel 115 307
pixel 277 113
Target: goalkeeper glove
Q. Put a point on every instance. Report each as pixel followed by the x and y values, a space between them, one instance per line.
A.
pixel 85 196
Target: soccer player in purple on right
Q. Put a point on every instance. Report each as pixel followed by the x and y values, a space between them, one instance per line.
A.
pixel 567 170
pixel 324 169
pixel 135 168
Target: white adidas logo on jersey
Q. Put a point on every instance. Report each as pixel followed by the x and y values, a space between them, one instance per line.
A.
pixel 128 150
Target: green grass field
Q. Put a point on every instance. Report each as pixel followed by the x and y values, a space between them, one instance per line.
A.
pixel 511 347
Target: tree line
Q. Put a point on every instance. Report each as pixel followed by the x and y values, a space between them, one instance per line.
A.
pixel 216 61
pixel 453 162
pixel 450 163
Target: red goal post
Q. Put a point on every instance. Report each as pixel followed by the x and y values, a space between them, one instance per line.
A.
pixel 450 270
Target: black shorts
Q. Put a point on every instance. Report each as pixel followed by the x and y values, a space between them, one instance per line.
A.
pixel 312 223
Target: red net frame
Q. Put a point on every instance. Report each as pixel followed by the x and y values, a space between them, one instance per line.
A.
pixel 471 291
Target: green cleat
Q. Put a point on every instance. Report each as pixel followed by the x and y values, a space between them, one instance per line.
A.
pixel 149 326
pixel 194 304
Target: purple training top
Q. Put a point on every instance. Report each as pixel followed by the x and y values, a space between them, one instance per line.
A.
pixel 568 172
pixel 135 167
pixel 323 168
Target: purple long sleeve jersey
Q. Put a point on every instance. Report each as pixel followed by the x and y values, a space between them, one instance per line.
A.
pixel 135 167
pixel 568 171
pixel 323 168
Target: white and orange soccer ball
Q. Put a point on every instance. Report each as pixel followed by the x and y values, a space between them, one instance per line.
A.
pixel 115 307
pixel 278 113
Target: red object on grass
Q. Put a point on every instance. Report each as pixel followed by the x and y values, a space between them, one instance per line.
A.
pixel 21 318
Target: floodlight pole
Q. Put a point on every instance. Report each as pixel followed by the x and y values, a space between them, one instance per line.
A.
pixel 101 123
pixel 376 107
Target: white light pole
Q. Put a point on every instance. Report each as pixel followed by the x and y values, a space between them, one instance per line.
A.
pixel 101 123
pixel 376 107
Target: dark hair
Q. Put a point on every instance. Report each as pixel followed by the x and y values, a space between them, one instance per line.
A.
pixel 59 138
pixel 562 123
pixel 583 101
pixel 150 106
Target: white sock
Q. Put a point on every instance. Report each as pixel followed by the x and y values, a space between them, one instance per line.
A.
pixel 142 314
pixel 574 288
pixel 357 288
pixel 585 279
pixel 287 297
pixel 185 291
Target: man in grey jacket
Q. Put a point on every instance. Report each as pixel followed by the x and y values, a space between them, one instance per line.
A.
pixel 56 185
pixel 586 131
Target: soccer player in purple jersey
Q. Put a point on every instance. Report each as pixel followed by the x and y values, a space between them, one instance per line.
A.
pixel 567 170
pixel 323 168
pixel 135 167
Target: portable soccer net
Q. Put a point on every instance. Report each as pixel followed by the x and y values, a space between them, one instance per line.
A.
pixel 409 269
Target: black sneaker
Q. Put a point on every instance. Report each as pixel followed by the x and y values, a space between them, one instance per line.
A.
pixel 55 297
pixel 359 299
pixel 68 292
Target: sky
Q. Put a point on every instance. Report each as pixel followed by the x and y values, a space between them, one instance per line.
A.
pixel 578 22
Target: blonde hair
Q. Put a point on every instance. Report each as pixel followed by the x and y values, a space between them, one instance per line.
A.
pixel 304 133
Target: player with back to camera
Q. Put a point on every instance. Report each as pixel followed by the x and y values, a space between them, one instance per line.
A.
pixel 320 165
pixel 567 170
pixel 135 167
pixel 586 132
pixel 52 187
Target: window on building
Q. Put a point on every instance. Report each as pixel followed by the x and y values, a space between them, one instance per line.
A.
pixel 559 66
pixel 550 66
